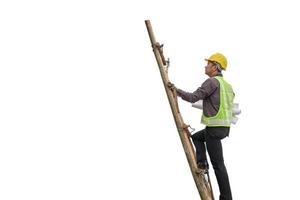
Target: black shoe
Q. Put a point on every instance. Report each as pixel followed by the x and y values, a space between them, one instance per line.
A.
pixel 203 165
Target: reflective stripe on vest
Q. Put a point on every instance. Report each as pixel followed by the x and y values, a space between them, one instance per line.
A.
pixel 224 115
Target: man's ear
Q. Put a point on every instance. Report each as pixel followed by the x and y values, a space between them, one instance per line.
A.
pixel 215 67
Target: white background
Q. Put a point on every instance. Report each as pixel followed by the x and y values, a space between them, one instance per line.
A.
pixel 84 115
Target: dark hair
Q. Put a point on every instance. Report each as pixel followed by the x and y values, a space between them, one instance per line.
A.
pixel 217 65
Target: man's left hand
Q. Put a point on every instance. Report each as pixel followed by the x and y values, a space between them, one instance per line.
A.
pixel 171 86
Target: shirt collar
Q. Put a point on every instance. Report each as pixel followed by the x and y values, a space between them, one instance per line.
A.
pixel 219 74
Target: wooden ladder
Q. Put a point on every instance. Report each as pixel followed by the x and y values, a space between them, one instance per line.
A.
pixel 202 183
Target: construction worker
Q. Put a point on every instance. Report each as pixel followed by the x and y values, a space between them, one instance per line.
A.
pixel 217 96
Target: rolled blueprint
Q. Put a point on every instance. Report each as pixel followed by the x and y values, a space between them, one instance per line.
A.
pixel 198 104
pixel 235 109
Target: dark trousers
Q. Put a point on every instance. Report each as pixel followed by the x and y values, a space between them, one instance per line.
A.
pixel 212 136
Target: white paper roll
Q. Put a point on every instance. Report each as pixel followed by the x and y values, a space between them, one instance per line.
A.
pixel 198 104
pixel 236 109
pixel 234 120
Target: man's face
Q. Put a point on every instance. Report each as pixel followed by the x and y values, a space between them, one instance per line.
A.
pixel 209 68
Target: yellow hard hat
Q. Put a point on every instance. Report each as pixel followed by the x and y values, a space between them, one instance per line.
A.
pixel 219 58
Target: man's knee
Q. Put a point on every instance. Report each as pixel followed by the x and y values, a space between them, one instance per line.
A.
pixel 199 136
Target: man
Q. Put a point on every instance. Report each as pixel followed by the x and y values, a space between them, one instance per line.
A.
pixel 217 96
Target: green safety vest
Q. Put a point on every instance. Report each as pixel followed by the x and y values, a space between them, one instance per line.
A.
pixel 225 114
